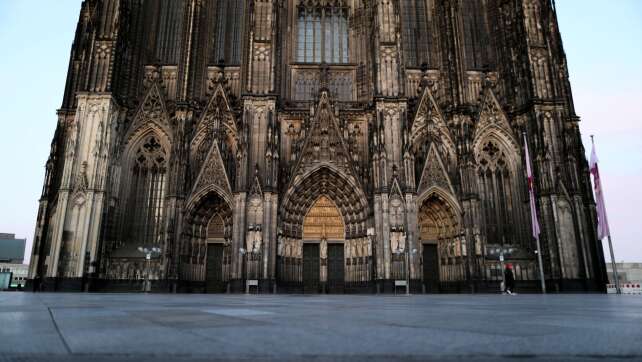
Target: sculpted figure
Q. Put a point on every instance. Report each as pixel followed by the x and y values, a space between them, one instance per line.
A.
pixel 279 246
pixel 323 249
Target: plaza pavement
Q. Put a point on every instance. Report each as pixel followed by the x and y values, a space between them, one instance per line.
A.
pixel 200 327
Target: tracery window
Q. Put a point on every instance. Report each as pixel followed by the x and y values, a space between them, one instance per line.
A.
pixel 227 31
pixel 497 195
pixel 144 213
pixel 170 24
pixel 476 36
pixel 415 36
pixel 322 34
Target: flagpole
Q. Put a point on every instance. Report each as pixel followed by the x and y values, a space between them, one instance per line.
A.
pixel 531 194
pixel 541 267
pixel 614 266
pixel 613 263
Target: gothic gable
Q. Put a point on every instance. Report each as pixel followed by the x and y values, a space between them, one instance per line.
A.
pixel 492 119
pixel 256 190
pixel 218 114
pixel 396 203
pixel 151 113
pixel 428 121
pixel 324 145
pixel 434 173
pixel 212 174
pixel 395 189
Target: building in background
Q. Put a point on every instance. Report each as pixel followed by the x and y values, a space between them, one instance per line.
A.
pixel 16 275
pixel 315 146
pixel 12 252
pixel 627 272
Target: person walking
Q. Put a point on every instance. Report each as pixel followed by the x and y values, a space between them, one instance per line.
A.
pixel 36 283
pixel 509 280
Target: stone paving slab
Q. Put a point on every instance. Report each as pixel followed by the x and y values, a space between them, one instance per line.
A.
pixel 194 327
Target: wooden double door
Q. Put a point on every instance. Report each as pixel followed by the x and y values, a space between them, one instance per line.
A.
pixel 312 268
pixel 430 268
pixel 214 276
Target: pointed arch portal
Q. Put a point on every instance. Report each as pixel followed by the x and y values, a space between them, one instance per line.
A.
pixel 323 245
pixel 442 245
pixel 204 252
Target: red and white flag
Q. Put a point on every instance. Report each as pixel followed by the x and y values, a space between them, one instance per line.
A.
pixel 531 191
pixel 602 221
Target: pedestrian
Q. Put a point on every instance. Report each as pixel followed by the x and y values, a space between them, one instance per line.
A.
pixel 36 283
pixel 509 279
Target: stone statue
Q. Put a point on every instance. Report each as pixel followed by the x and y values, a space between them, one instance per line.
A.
pixel 397 242
pixel 254 240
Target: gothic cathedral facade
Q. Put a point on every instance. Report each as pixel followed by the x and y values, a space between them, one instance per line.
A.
pixel 322 146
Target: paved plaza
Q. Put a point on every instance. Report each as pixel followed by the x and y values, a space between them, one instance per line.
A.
pixel 157 327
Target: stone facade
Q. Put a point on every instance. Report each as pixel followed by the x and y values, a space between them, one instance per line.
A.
pixel 317 146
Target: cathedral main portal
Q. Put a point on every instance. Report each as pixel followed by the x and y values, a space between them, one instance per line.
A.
pixel 323 248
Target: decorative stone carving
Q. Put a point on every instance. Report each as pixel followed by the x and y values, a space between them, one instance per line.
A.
pixel 397 242
pixel 429 121
pixel 434 173
pixel 213 173
pixel 492 119
pixel 323 249
pixel 324 143
pixel 323 221
pixel 152 111
pixel 397 210
pixel 81 183
pixel 254 239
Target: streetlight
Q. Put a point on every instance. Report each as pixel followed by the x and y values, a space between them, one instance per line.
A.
pixel 148 256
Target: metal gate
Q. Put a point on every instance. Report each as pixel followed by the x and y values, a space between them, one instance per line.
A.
pixel 336 268
pixel 431 268
pixel 214 278
pixel 311 275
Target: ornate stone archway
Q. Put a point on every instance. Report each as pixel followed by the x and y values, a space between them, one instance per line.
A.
pixel 205 255
pixel 324 191
pixel 442 244
pixel 344 192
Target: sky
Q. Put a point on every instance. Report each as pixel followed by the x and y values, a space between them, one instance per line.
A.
pixel 602 41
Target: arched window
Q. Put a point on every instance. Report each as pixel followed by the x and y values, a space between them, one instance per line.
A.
pixel 228 15
pixel 143 216
pixel 476 35
pixel 497 195
pixel 170 24
pixel 415 36
pixel 322 34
